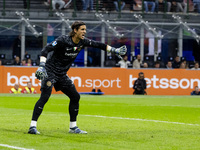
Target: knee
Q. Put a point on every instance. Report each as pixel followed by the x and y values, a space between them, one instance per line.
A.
pixel 44 98
pixel 75 98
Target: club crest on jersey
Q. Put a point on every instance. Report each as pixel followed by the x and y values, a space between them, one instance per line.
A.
pixel 49 83
pixel 54 43
pixel 77 48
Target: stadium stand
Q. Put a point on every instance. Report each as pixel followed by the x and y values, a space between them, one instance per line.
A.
pixel 18 5
pixel 38 10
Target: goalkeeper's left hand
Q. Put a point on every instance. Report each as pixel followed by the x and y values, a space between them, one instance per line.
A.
pixel 119 51
pixel 41 73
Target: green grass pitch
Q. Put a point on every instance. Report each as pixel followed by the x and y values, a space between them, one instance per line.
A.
pixel 112 122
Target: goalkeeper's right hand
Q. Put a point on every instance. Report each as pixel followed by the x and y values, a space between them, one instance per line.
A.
pixel 41 73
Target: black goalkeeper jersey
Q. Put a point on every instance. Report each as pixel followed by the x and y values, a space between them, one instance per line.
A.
pixel 62 52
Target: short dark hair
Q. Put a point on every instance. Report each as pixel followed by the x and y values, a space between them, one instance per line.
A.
pixel 140 73
pixel 157 62
pixel 124 56
pixel 76 26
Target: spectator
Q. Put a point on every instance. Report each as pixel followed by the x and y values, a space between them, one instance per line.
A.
pixel 61 4
pixel 182 65
pixel 197 3
pixel 137 62
pixel 176 63
pixel 17 47
pixel 157 5
pixel 145 65
pixel 196 91
pixel 132 3
pixel 186 64
pixel 119 3
pixel 46 2
pixel 196 66
pixel 29 62
pixel 140 85
pixel 124 62
pixel 157 64
pixel 79 4
pixel 16 89
pixel 84 5
pixel 0 63
pixel 147 3
pixel 107 4
pixel 25 4
pixel 169 5
pixel 88 4
pixel 23 62
pixel 29 89
pixel 180 4
pixel 169 65
pixel 17 61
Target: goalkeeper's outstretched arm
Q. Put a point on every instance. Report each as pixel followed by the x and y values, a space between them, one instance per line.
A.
pixel 118 51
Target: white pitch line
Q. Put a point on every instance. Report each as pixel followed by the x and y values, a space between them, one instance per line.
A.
pixel 138 119
pixel 14 147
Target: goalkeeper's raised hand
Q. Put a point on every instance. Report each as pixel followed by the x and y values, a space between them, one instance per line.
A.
pixel 41 73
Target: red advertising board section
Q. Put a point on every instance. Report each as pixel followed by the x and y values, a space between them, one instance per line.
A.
pixel 114 81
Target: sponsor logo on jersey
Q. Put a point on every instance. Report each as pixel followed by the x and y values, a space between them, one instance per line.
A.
pixel 71 54
pixel 54 43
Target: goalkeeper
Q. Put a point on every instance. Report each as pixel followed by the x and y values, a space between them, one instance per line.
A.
pixel 55 60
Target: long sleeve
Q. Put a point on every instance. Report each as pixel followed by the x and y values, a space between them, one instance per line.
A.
pixel 95 44
pixel 145 84
pixel 135 86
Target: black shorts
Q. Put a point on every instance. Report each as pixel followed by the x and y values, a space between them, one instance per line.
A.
pixel 59 82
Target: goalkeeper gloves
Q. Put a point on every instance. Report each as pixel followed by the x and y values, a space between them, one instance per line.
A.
pixel 41 73
pixel 119 51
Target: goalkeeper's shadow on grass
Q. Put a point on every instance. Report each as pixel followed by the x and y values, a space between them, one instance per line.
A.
pixel 26 132
pixel 10 130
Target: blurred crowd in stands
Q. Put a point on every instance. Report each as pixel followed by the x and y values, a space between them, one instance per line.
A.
pixel 150 6
pixel 137 63
pixel 172 63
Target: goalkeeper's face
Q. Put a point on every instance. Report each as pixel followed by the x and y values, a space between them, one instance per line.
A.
pixel 141 76
pixel 80 33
